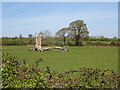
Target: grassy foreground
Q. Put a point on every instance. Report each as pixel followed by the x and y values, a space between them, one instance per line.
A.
pixel 75 58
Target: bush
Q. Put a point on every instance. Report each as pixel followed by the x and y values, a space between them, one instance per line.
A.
pixel 84 43
pixel 58 43
pixel 70 43
pixel 99 43
pixel 15 75
pixel 113 42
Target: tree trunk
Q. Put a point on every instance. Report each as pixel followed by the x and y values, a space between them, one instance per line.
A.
pixel 64 40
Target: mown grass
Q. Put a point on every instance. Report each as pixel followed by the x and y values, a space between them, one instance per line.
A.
pixel 75 58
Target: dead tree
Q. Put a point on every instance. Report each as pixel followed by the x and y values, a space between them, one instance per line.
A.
pixel 38 42
pixel 38 46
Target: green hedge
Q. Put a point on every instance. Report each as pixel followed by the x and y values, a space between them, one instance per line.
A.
pixel 57 42
pixel 17 75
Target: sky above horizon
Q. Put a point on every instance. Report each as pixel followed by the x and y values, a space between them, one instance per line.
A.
pixel 32 17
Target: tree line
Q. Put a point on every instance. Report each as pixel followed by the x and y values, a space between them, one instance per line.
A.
pixel 76 34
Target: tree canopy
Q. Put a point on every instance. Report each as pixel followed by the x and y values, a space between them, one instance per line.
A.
pixel 62 33
pixel 80 31
pixel 77 29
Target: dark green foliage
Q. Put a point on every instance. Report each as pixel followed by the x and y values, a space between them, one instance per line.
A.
pixel 58 41
pixel 30 41
pixel 79 28
pixel 16 76
pixel 113 42
pixel 62 33
pixel 76 30
pixel 70 43
pixel 18 41
pixel 91 78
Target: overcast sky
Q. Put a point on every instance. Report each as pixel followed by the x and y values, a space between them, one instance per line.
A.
pixel 32 17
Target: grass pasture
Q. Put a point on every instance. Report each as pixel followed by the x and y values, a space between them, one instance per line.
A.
pixel 75 58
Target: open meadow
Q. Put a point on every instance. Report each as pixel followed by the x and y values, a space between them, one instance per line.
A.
pixel 60 45
pixel 75 58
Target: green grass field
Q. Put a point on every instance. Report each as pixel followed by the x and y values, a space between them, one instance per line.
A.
pixel 75 58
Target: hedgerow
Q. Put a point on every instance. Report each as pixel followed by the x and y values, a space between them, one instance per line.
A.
pixel 15 75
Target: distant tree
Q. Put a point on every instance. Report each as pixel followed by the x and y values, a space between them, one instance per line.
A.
pixel 30 36
pixel 16 37
pixel 20 35
pixel 21 42
pixel 115 37
pixel 41 33
pixel 62 33
pixel 80 31
pixel 102 38
pixel 45 33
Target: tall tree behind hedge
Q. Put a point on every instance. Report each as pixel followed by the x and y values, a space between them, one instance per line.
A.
pixel 80 31
pixel 62 33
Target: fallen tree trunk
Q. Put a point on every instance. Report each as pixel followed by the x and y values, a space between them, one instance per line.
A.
pixel 38 46
pixel 49 48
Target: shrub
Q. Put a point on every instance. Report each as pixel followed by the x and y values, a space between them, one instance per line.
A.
pixel 58 43
pixel 113 42
pixel 84 43
pixel 70 43
pixel 15 75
